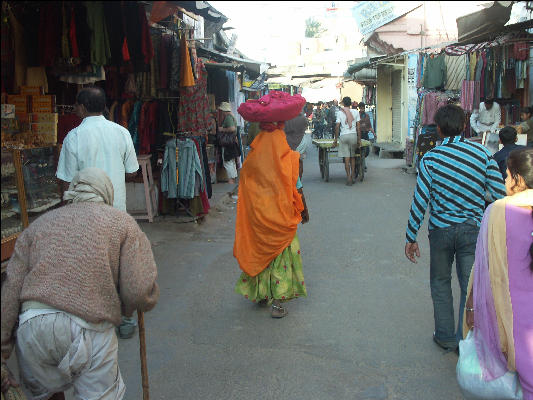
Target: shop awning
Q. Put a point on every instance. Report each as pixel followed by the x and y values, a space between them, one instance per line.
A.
pixel 202 8
pixel 362 64
pixel 254 68
pixel 479 26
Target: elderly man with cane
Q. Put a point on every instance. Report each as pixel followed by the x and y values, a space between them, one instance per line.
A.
pixel 74 271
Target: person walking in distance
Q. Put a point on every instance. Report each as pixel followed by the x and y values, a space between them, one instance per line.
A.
pixel 453 179
pixel 347 137
pixel 98 142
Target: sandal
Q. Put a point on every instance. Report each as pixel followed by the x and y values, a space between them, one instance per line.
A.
pixel 278 311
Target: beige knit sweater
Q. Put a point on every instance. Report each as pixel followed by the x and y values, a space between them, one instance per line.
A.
pixel 88 259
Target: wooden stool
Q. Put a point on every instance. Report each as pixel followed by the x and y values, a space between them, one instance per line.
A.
pixel 149 188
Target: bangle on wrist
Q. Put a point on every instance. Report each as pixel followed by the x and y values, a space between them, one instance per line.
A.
pixel 469 309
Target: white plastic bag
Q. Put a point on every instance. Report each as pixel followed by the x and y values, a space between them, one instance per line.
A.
pixel 471 382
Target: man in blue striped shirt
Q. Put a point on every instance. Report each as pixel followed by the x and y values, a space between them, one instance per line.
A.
pixel 453 179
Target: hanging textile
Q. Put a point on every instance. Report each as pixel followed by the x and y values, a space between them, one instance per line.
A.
pixel 100 50
pixel 115 29
pixel 175 64
pixel 148 126
pixel 8 55
pixel 455 71
pixel 187 165
pixel 194 104
pixel 432 102
pixel 470 95
pixel 187 78
pixel 164 51
pixel 147 49
pixel 435 72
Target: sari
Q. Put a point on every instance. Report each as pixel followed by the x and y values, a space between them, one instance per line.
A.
pixel 269 210
pixel 502 284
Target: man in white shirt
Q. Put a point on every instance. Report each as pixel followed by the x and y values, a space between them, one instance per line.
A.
pixel 98 142
pixel 487 118
pixel 347 137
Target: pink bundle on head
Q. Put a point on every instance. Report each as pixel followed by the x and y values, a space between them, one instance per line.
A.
pixel 274 107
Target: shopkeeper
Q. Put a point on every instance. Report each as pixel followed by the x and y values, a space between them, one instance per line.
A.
pixel 526 127
pixel 487 118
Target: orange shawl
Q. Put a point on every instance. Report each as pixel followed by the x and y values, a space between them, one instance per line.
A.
pixel 269 206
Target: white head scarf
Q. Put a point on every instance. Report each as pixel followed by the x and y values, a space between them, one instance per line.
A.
pixel 90 184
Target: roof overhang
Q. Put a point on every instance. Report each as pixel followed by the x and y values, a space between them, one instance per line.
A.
pixel 479 26
pixel 226 61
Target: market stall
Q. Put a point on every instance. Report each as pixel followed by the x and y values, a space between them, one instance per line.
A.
pixel 466 75
pixel 145 57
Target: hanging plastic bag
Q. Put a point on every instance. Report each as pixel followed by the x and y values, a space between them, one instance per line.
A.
pixel 471 382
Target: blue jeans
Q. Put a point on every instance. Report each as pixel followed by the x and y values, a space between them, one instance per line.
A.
pixel 445 244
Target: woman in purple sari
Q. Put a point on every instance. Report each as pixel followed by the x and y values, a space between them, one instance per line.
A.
pixel 500 293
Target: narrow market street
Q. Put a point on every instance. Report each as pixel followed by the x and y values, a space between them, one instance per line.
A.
pixel 363 332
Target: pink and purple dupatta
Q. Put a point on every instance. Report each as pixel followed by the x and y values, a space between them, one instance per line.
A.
pixel 504 220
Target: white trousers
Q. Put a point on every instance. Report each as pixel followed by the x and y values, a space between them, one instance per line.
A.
pixel 230 167
pixel 56 352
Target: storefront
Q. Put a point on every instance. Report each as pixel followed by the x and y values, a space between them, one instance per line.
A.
pixel 145 57
pixel 471 73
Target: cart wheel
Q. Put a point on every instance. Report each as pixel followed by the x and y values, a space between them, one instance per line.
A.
pixel 326 166
pixel 321 162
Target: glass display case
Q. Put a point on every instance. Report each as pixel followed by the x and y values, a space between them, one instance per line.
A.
pixel 40 184
pixel 29 188
pixel 14 217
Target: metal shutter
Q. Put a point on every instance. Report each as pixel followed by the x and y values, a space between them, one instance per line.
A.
pixel 396 106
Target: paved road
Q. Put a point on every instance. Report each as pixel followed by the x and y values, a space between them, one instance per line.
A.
pixel 364 332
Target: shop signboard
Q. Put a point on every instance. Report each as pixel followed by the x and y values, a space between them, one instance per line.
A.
pixel 370 15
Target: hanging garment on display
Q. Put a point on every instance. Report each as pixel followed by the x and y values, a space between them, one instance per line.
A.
pixel 100 51
pixel 456 68
pixel 155 64
pixel 148 126
pixel 147 49
pixel 194 104
pixel 20 62
pixel 435 72
pixel 187 165
pixel 432 102
pixel 133 124
pixel 49 34
pixel 175 64
pixel 115 29
pixel 164 51
pixel 470 95
pixel 186 77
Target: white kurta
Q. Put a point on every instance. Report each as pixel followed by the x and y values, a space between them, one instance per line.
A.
pixel 483 120
pixel 100 143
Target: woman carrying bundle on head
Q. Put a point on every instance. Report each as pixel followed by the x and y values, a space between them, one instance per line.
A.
pixel 271 205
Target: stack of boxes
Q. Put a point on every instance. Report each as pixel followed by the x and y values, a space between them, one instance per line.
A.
pixel 34 116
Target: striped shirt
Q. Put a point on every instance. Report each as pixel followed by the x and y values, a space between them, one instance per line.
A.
pixel 453 179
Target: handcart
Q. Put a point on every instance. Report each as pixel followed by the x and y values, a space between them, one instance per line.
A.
pixel 327 154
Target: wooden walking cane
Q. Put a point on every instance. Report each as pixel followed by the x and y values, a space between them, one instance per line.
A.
pixel 144 367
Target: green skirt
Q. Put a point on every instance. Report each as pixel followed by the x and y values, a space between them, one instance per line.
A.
pixel 282 280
